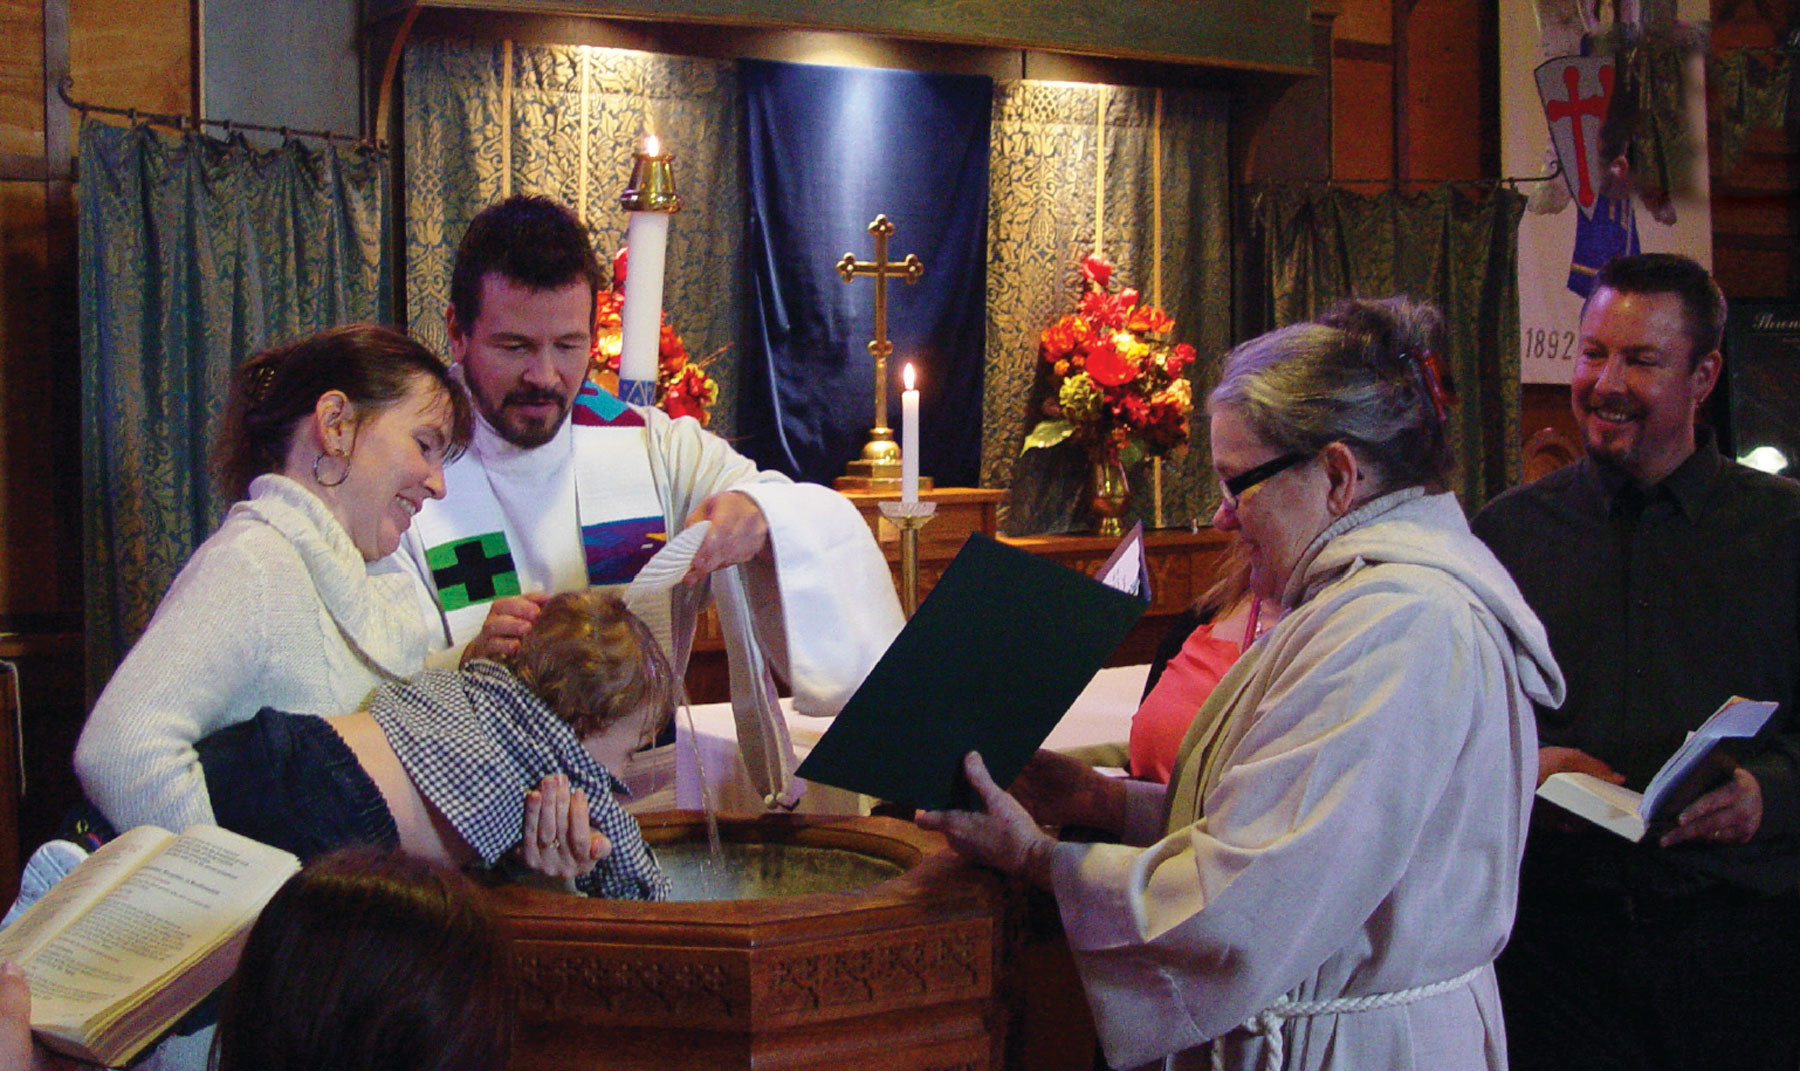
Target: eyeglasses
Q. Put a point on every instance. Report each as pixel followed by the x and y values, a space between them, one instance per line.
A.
pixel 1232 491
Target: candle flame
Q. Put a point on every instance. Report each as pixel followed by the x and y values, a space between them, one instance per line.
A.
pixel 906 375
pixel 651 145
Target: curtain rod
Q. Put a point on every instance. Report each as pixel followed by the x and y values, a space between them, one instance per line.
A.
pixel 182 122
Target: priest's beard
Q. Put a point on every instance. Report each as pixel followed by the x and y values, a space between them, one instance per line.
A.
pixel 523 429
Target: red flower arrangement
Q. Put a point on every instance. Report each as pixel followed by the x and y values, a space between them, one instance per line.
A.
pixel 682 386
pixel 1118 386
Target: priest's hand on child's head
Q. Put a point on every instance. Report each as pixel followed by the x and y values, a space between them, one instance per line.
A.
pixel 739 532
pixel 508 620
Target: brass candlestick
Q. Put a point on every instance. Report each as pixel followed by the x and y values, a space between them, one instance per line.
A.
pixel 909 517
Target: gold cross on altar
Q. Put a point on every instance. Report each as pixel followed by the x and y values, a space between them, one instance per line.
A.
pixel 879 464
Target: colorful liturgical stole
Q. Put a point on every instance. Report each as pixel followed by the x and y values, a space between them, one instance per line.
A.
pixel 470 540
pixel 470 571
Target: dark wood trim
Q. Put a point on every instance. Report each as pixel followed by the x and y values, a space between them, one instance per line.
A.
pixel 1488 34
pixel 387 40
pixel 1366 51
pixel 18 167
pixel 1725 191
pixel 1761 243
pixel 197 58
pixel 1401 14
pixel 58 144
pixel 1267 35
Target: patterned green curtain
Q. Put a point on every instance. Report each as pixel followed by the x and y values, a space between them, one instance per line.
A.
pixel 1319 244
pixel 194 253
pixel 487 119
pixel 1041 222
pixel 1752 89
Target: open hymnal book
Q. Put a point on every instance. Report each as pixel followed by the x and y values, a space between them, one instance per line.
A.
pixel 1694 769
pixel 138 934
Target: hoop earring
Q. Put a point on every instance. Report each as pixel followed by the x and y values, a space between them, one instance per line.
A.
pixel 342 476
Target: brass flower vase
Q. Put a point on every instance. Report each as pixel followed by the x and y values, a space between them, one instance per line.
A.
pixel 1112 494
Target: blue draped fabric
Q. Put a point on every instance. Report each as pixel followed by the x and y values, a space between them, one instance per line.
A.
pixel 827 149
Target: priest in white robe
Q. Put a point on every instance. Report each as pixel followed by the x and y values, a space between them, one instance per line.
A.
pixel 565 486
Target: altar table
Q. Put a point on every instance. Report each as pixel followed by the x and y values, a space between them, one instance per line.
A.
pixel 1100 715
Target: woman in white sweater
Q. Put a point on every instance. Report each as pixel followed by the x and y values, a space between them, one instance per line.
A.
pixel 332 442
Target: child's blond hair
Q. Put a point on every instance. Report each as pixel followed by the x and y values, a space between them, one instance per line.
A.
pixel 593 662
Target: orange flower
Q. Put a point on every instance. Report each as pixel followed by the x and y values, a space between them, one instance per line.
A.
pixel 1106 367
pixel 1148 319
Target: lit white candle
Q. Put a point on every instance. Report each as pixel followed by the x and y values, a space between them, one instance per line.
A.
pixel 647 236
pixel 909 438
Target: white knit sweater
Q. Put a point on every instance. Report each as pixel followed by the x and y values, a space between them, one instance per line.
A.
pixel 276 609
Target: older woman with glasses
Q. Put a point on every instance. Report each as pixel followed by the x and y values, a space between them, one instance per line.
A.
pixel 1332 869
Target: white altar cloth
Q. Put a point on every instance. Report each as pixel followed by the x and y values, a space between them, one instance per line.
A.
pixel 1100 715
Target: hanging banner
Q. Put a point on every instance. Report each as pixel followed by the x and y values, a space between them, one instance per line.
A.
pixel 1568 109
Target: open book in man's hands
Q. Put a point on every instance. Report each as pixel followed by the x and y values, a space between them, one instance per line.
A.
pixel 138 934
pixel 1695 769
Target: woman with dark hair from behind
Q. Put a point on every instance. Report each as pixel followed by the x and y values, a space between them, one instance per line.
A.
pixel 370 961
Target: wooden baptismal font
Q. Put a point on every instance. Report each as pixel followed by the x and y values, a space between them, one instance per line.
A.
pixel 897 974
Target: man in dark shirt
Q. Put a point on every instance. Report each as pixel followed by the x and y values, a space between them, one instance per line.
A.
pixel 1668 578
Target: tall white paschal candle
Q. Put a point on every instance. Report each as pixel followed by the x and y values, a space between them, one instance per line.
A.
pixel 647 239
pixel 909 438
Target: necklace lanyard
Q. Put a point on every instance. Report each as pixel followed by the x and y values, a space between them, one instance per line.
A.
pixel 1253 627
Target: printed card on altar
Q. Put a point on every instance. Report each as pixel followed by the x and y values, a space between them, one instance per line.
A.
pixel 995 655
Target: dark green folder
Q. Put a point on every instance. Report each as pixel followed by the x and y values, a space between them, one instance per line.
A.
pixel 994 657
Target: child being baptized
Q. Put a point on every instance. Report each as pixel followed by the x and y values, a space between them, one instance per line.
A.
pixel 444 766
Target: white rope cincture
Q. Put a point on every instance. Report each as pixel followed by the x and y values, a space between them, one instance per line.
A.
pixel 1268 1022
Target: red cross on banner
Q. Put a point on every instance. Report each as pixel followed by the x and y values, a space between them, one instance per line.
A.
pixel 1576 91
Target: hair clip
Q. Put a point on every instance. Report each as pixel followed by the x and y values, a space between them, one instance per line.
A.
pixel 1430 369
pixel 261 377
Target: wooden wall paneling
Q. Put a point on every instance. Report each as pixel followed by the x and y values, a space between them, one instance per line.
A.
pixel 133 53
pixel 1362 116
pixel 11 794
pixel 22 77
pixel 40 474
pixel 1548 432
pixel 1753 216
pixel 1444 119
pixel 1365 21
pixel 1400 93
pixel 1755 204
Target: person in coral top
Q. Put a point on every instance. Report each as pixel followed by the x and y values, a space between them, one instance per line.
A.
pixel 1201 645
